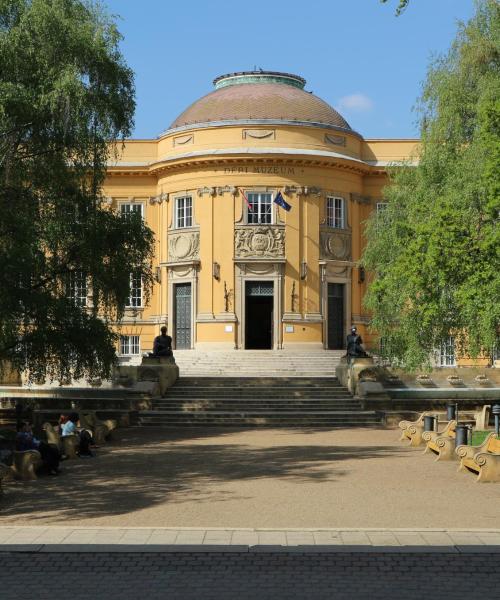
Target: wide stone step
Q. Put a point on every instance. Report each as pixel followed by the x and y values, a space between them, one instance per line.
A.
pixel 249 381
pixel 356 415
pixel 262 400
pixel 258 386
pixel 236 395
pixel 221 373
pixel 261 421
pixel 237 411
pixel 256 402
pixel 306 405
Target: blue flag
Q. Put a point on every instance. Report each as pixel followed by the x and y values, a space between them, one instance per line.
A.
pixel 280 201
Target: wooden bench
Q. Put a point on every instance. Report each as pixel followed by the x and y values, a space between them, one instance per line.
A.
pixel 26 463
pixel 483 460
pixel 66 444
pixel 441 443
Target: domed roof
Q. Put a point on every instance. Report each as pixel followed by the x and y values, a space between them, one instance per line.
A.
pixel 260 96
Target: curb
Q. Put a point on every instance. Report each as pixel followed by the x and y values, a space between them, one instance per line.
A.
pixel 241 549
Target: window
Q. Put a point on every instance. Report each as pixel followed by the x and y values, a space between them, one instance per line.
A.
pixel 184 212
pixel 335 212
pixel 447 353
pixel 127 210
pixel 129 345
pixel 77 288
pixel 381 206
pixel 135 298
pixel 260 208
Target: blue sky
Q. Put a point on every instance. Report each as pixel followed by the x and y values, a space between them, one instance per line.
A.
pixel 355 54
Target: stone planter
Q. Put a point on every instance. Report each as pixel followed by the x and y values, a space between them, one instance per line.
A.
pixel 482 380
pixel 424 380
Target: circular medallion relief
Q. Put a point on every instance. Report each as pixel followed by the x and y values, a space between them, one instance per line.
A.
pixel 182 246
pixel 336 246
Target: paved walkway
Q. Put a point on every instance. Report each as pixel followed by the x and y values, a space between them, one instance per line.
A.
pixel 149 539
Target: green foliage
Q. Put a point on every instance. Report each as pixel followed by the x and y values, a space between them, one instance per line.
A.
pixel 401 6
pixel 478 437
pixel 435 251
pixel 65 93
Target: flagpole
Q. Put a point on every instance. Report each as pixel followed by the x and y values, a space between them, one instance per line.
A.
pixel 245 198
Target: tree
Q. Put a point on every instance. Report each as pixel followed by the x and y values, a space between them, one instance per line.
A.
pixel 401 6
pixel 65 94
pixel 435 251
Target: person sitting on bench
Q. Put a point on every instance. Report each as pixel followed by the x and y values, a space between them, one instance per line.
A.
pixel 25 440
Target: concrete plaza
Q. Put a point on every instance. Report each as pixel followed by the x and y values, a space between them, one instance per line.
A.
pixel 253 514
pixel 275 479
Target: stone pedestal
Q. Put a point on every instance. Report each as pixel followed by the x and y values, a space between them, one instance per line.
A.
pixel 348 371
pixel 153 376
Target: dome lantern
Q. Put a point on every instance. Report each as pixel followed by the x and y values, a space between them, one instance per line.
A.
pixel 259 77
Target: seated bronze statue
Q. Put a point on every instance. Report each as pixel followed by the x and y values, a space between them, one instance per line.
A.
pixel 162 345
pixel 355 345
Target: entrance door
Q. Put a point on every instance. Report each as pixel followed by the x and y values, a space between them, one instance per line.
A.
pixel 259 304
pixel 182 315
pixel 336 316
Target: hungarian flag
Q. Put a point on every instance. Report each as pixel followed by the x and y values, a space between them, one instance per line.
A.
pixel 246 199
pixel 280 201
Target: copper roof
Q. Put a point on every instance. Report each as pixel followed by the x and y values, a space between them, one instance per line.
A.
pixel 260 101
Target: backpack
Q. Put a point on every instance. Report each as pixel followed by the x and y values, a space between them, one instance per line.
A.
pixel 85 441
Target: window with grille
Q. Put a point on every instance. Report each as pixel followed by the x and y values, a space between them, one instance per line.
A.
pixel 335 212
pixel 135 297
pixel 447 353
pixel 260 208
pixel 129 345
pixel 128 210
pixel 77 288
pixel 381 206
pixel 184 212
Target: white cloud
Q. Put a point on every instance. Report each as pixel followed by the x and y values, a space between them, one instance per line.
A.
pixel 355 103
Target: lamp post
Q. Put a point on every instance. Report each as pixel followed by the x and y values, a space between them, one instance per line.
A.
pixel 303 270
pixel 496 411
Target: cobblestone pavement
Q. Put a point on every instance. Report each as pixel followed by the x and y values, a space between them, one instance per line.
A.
pixel 252 576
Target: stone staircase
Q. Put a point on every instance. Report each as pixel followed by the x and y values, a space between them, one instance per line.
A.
pixel 260 388
pixel 258 363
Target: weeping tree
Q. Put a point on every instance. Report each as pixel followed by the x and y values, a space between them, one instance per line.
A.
pixel 435 251
pixel 65 258
pixel 402 4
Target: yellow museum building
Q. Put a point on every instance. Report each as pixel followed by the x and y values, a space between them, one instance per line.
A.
pixel 234 269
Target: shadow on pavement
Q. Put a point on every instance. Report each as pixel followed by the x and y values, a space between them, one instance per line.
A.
pixel 143 467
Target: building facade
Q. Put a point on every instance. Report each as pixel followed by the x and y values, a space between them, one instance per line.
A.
pixel 235 269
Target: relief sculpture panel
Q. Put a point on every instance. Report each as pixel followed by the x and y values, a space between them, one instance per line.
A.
pixel 335 245
pixel 259 242
pixel 184 246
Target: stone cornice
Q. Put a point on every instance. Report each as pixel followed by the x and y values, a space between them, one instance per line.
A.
pixel 235 156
